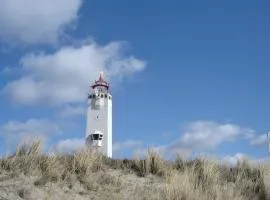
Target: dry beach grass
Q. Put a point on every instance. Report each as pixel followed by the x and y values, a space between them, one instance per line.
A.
pixel 31 174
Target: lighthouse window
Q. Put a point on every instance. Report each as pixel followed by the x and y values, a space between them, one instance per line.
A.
pixel 90 96
pixel 105 95
pixel 95 136
pixel 101 96
pixel 93 96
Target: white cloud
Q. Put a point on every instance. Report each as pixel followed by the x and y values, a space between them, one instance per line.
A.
pixel 207 135
pixel 36 21
pixel 71 111
pixel 238 157
pixel 65 76
pixel 73 144
pixel 128 144
pixel 260 140
pixel 70 145
pixel 14 132
pixel 126 148
pixel 199 137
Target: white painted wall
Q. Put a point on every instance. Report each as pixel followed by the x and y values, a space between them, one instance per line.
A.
pixel 99 118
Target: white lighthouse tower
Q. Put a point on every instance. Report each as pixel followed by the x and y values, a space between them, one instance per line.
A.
pixel 99 117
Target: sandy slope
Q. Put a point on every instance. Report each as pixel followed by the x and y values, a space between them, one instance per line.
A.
pixel 13 187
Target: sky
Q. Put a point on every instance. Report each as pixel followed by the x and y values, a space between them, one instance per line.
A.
pixel 187 77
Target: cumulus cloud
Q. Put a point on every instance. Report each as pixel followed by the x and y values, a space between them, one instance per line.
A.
pixel 202 136
pixel 260 140
pixel 127 148
pixel 234 159
pixel 14 132
pixel 71 111
pixel 238 157
pixel 65 76
pixel 70 145
pixel 207 135
pixel 73 144
pixel 36 21
pixel 128 144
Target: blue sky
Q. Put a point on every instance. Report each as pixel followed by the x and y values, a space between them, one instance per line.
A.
pixel 187 76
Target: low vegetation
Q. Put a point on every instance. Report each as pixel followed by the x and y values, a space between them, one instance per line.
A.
pixel 31 174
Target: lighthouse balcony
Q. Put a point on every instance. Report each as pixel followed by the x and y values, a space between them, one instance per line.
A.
pixel 95 140
pixel 101 95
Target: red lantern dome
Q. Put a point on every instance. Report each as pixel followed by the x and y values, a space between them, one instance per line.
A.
pixel 101 83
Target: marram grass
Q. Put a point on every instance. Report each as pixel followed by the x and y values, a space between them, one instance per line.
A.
pixel 89 175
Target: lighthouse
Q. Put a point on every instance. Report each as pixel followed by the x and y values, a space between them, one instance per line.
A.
pixel 99 117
